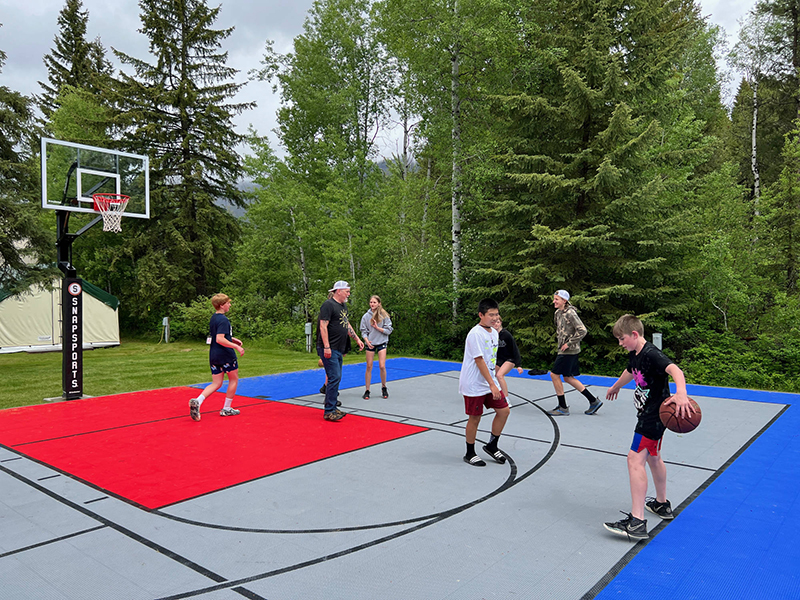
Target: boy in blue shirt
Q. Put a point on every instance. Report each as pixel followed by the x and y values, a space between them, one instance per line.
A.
pixel 222 356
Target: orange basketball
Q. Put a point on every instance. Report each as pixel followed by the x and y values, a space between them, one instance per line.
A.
pixel 671 420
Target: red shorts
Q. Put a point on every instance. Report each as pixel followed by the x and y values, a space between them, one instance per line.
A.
pixel 473 405
pixel 641 442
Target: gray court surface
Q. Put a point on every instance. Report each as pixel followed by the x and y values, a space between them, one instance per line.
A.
pixel 400 520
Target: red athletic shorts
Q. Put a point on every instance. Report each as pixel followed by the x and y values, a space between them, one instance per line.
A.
pixel 641 442
pixel 473 405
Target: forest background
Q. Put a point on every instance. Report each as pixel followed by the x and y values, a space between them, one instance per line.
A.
pixel 577 145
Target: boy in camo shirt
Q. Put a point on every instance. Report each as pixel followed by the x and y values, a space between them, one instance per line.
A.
pixel 570 330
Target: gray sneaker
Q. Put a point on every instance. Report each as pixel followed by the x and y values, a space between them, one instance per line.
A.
pixel 631 527
pixel 194 409
pixel 593 407
pixel 559 411
pixel 662 509
pixel 228 412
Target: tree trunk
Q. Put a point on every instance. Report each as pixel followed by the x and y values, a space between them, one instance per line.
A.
pixel 754 151
pixel 306 309
pixel 455 108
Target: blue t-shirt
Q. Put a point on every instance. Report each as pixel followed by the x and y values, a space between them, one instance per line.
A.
pixel 220 355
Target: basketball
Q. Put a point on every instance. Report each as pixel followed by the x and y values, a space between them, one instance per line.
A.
pixel 671 420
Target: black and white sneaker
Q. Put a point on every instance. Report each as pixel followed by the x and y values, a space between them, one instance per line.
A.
pixel 631 527
pixel 498 456
pixel 384 392
pixel 366 395
pixel 662 509
pixel 229 412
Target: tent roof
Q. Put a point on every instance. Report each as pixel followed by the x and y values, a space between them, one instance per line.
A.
pixel 90 289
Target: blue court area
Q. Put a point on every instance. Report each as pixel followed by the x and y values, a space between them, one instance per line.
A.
pixel 407 519
pixel 306 383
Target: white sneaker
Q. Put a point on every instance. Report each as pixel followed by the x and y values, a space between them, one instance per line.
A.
pixel 228 412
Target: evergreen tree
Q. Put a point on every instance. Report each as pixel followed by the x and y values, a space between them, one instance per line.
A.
pixel 74 61
pixel 25 244
pixel 603 153
pixel 177 110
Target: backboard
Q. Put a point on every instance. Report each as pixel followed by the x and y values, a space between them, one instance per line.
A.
pixel 72 172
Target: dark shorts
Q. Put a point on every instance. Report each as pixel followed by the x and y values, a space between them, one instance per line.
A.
pixel 641 442
pixel 375 347
pixel 473 405
pixel 226 368
pixel 567 365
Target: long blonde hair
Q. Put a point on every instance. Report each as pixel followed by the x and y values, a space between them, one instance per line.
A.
pixel 380 314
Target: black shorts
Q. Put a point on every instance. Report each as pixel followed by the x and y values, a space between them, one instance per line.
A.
pixel 566 365
pixel 375 347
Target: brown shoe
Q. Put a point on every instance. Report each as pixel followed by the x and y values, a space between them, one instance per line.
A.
pixel 334 415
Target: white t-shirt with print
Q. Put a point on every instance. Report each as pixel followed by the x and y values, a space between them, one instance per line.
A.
pixel 483 343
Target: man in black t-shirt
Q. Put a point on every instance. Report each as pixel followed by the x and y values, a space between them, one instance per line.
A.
pixel 334 329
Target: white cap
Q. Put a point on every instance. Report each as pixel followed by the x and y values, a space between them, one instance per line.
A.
pixel 562 294
pixel 343 285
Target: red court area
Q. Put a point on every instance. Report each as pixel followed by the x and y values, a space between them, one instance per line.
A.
pixel 144 447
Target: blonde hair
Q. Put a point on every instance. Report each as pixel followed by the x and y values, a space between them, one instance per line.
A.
pixel 381 313
pixel 218 300
pixel 626 325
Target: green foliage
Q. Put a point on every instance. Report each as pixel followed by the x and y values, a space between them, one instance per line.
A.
pixel 74 61
pixel 26 245
pixel 177 111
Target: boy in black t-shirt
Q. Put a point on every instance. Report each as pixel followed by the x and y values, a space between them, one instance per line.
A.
pixel 222 358
pixel 651 370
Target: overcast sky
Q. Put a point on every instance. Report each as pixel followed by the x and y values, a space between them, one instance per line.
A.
pixel 29 27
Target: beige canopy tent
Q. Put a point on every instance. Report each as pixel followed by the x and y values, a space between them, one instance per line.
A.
pixel 31 321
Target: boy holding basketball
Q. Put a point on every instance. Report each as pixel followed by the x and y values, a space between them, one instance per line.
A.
pixel 651 370
pixel 479 386
pixel 222 356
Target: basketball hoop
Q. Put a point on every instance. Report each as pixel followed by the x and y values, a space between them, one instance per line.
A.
pixel 111 207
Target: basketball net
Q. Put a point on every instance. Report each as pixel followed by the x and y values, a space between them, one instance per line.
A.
pixel 111 207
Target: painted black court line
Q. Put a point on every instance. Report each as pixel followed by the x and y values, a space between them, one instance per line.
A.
pixel 10 459
pixel 623 562
pixel 118 528
pixel 96 500
pixel 512 481
pixel 53 541
pixel 247 594
pixel 49 477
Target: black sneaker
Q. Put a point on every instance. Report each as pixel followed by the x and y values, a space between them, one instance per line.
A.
pixel 366 395
pixel 662 509
pixel 385 392
pixel 630 527
pixel 323 389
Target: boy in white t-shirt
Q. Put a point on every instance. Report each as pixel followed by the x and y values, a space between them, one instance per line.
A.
pixel 478 385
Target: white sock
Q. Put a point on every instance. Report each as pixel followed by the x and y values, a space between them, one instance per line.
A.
pixel 200 399
pixel 228 402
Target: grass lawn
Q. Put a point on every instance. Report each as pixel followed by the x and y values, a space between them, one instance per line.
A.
pixel 140 365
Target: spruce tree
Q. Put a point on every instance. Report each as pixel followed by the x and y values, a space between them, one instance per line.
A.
pixel 601 157
pixel 178 110
pixel 25 244
pixel 73 61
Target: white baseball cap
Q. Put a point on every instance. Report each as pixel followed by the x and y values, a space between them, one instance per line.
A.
pixel 343 285
pixel 563 294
